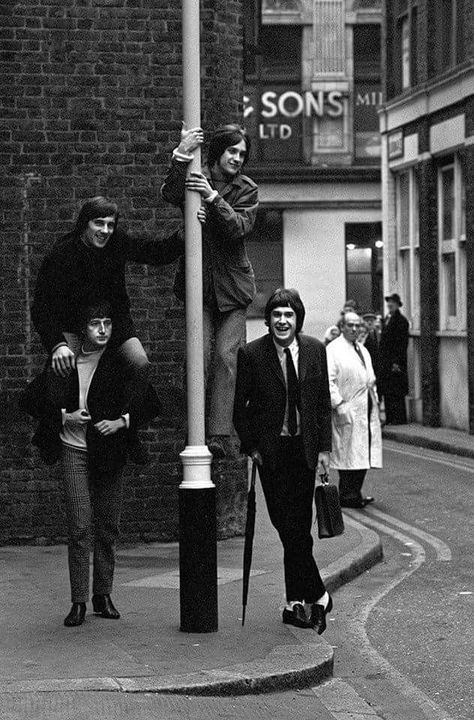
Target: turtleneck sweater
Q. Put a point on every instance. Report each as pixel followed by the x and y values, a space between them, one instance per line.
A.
pixel 86 364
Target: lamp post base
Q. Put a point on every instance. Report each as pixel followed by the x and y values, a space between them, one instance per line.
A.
pixel 197 543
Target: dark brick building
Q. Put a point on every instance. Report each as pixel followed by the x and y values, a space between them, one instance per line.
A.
pixel 91 96
pixel 428 198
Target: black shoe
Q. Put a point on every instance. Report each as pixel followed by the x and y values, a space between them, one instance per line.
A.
pixel 76 615
pixel 318 616
pixel 216 446
pixel 296 616
pixel 136 450
pixel 358 504
pixel 104 607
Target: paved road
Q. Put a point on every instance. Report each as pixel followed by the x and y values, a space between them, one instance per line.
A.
pixel 403 632
pixel 414 658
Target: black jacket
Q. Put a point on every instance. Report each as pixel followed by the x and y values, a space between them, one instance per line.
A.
pixel 260 398
pixel 75 275
pixel 44 397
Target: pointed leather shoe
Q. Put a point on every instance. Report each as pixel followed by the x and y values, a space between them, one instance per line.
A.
pixel 318 616
pixel 296 616
pixel 76 615
pixel 104 607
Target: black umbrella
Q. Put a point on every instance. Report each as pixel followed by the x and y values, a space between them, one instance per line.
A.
pixel 249 533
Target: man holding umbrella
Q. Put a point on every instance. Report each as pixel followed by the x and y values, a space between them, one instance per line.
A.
pixel 282 414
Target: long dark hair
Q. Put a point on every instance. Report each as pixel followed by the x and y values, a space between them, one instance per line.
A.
pixel 224 137
pixel 96 207
pixel 286 297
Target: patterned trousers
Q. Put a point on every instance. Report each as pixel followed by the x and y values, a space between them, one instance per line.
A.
pixel 93 506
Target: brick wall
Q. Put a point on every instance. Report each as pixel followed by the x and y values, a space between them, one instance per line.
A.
pixel 91 96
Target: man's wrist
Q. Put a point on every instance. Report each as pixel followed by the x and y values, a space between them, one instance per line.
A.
pixel 210 198
pixel 181 156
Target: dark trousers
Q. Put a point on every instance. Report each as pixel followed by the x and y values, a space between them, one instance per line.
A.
pixel 93 506
pixel 350 484
pixel 288 486
pixel 395 409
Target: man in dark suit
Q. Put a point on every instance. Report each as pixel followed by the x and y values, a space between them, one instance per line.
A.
pixel 392 376
pixel 282 414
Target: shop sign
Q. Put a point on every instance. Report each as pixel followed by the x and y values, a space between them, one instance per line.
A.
pixel 280 108
pixel 395 145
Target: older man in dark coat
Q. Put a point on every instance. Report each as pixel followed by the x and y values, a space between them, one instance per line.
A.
pixel 392 379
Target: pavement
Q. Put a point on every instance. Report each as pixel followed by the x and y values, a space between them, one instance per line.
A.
pixel 454 442
pixel 145 651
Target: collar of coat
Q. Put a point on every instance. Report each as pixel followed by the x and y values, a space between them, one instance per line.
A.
pixel 238 181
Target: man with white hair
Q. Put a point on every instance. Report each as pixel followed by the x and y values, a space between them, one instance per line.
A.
pixel 356 431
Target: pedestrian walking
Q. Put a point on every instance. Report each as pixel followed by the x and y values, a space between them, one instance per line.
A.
pixel 229 209
pixel 393 374
pixel 83 423
pixel 89 263
pixel 282 415
pixel 356 430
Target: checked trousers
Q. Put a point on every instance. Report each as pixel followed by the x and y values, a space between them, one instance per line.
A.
pixel 93 502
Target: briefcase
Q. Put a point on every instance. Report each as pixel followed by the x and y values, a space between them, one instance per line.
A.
pixel 328 509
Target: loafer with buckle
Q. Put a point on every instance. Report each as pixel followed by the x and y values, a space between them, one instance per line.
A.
pixel 296 616
pixel 318 616
pixel 104 607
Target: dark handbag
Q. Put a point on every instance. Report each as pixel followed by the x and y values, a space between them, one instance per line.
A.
pixel 328 509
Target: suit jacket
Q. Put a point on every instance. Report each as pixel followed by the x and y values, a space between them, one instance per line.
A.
pixel 260 398
pixel 227 272
pixel 47 394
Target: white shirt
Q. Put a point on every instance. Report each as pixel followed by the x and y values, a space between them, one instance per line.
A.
pixel 294 349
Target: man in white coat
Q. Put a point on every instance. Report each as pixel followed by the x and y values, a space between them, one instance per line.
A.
pixel 356 429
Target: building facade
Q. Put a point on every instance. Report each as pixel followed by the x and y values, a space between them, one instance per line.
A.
pixel 91 105
pixel 311 97
pixel 427 125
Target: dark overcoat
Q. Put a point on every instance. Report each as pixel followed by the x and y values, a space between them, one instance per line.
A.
pixel 393 350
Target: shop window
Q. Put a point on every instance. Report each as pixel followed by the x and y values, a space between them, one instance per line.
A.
pixel 444 22
pixel 407 233
pixel 405 48
pixel 452 252
pixel 364 258
pixel 265 250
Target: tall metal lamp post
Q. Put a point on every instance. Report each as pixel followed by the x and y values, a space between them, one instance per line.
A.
pixel 197 492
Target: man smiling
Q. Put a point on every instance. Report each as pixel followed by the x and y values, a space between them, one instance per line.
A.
pixel 89 263
pixel 229 208
pixel 282 414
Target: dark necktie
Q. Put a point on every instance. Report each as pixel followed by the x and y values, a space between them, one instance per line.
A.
pixel 359 353
pixel 292 390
